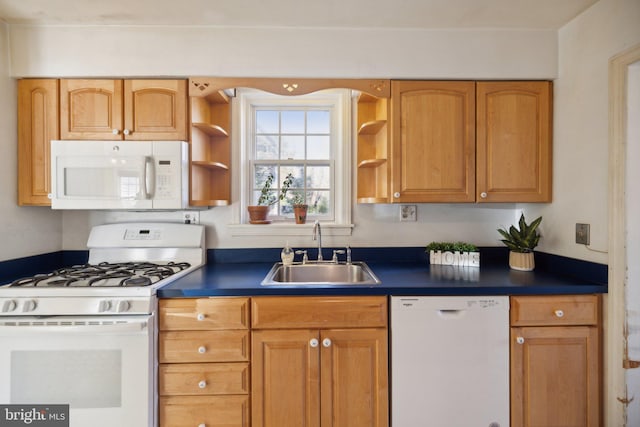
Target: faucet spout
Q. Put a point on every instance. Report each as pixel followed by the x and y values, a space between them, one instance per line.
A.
pixel 317 235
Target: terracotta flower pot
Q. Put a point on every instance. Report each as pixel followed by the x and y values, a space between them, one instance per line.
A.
pixel 258 214
pixel 300 213
pixel 522 261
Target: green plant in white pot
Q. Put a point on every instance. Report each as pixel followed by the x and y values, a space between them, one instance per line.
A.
pixel 521 241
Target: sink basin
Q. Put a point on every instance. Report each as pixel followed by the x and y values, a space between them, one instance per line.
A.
pixel 321 274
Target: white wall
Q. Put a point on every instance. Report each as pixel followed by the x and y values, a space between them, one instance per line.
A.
pixel 578 61
pixel 582 124
pixel 23 231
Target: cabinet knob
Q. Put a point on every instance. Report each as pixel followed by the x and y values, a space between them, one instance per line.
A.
pixel 202 349
pixel 200 317
pixel 115 131
pixel 559 313
pixel 202 384
pixel 202 425
pixel 313 342
pixel 483 195
pixel 396 194
pixel 520 340
pixel 326 342
pixel 126 131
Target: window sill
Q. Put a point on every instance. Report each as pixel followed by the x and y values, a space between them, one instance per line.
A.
pixel 288 229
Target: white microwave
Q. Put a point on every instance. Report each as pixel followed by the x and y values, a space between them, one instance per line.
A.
pixel 134 175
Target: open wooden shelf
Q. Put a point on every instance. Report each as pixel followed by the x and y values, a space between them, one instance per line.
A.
pixel 372 127
pixel 211 130
pixel 371 163
pixel 373 149
pixel 209 164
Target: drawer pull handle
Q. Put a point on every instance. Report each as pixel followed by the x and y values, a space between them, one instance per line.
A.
pixel 326 342
pixel 202 349
pixel 200 316
pixel 559 313
pixel 520 340
pixel 202 384
pixel 313 342
pixel 202 425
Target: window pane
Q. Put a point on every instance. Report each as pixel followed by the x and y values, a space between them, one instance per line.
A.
pixel 292 147
pixel 266 121
pixel 318 177
pixel 319 203
pixel 318 147
pixel 318 122
pixel 266 147
pixel 293 122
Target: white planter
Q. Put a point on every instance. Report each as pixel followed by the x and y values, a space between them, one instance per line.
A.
pixel 521 261
pixel 465 259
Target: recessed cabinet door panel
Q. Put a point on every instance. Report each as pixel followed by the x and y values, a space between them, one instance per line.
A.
pixel 433 137
pixel 155 109
pixel 514 141
pixel 91 109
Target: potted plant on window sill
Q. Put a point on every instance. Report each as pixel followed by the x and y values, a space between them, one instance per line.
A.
pixel 521 241
pixel 300 208
pixel 258 213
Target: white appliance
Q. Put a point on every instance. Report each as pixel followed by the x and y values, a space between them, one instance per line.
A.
pixel 86 335
pixel 450 361
pixel 136 175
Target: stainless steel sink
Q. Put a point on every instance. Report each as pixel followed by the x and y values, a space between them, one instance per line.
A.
pixel 321 274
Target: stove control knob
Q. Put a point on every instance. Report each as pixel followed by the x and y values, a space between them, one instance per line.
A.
pixel 123 306
pixel 9 306
pixel 29 305
pixel 104 305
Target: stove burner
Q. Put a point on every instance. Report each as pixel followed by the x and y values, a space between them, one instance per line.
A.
pixel 125 274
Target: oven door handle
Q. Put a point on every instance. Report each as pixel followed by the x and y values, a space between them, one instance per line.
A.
pixel 37 327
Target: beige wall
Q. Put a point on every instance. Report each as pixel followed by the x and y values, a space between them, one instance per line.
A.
pixel 23 231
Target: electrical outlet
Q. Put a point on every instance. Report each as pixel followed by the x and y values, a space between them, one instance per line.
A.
pixel 407 213
pixel 191 217
pixel 582 234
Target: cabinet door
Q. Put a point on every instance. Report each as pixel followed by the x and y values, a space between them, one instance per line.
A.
pixel 433 141
pixel 555 379
pixel 37 126
pixel 354 380
pixel 514 142
pixel 91 109
pixel 285 378
pixel 155 110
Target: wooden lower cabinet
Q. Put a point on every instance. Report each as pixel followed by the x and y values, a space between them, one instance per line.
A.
pixel 305 376
pixel 555 367
pixel 203 376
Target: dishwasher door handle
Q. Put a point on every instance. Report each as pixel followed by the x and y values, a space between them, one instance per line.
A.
pixel 451 314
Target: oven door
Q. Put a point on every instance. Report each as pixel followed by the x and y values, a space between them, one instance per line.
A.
pixel 102 367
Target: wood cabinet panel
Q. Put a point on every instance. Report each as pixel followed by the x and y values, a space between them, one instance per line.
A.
pixel 354 378
pixel 203 379
pixel 555 310
pixel 203 314
pixel 38 124
pixel 555 377
pixel 203 346
pixel 210 411
pixel 433 141
pixel 318 312
pixel 514 136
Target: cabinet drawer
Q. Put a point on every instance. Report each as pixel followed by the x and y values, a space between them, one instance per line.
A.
pixel 318 312
pixel 203 379
pixel 203 346
pixel 203 314
pixel 210 411
pixel 555 310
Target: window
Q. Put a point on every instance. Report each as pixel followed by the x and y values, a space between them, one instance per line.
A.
pixel 306 136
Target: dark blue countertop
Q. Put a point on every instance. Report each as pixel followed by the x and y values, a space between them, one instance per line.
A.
pixel 553 275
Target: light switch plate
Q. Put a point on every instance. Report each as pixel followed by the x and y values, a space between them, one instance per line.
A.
pixel 408 213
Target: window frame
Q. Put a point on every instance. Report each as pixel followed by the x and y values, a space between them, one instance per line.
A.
pixel 242 113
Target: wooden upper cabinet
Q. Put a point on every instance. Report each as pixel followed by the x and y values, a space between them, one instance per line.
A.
pixel 123 109
pixel 433 141
pixel 514 134
pixel 37 126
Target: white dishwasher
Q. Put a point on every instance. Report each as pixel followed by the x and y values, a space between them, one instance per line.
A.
pixel 450 361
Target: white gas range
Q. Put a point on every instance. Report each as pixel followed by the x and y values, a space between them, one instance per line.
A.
pixel 85 336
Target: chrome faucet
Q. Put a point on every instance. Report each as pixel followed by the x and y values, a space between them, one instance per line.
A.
pixel 317 235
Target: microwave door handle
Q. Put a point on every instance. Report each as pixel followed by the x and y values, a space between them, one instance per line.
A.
pixel 149 178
